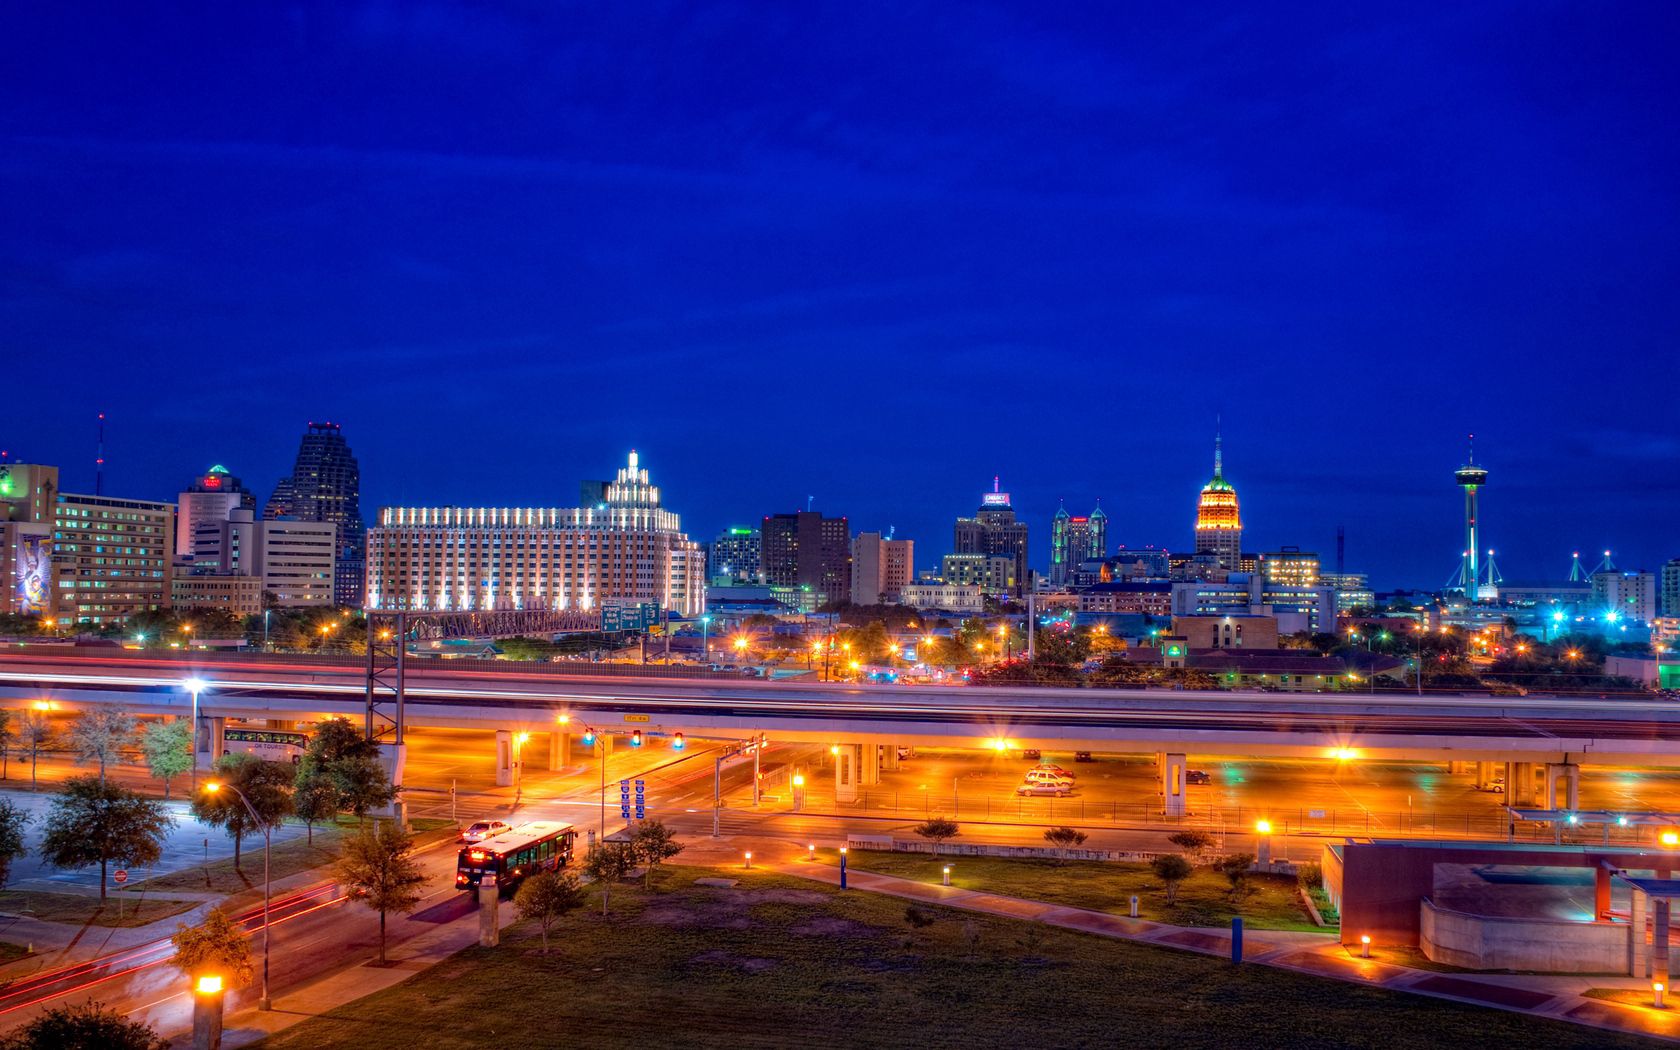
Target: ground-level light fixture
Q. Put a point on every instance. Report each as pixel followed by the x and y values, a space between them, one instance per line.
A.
pixel 1364 946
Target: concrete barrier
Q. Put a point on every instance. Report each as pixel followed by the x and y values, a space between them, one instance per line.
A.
pixel 888 844
pixel 1497 942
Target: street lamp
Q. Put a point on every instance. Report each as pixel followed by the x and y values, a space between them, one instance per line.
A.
pixel 265 1003
pixel 705 639
pixel 195 686
pixel 519 740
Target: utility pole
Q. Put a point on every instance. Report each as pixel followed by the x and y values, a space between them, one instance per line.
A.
pixel 1032 626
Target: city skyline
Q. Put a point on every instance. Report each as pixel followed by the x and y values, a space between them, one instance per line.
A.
pixel 929 523
pixel 1070 240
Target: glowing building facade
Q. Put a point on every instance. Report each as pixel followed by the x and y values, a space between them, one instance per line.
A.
pixel 1218 518
pixel 626 547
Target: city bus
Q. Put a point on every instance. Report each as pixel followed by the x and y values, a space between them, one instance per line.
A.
pixel 515 855
pixel 273 745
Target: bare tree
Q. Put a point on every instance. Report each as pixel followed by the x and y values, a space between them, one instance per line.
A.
pixel 99 733
pixel 34 731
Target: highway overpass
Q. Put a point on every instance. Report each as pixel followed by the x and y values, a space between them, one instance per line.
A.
pixel 1540 737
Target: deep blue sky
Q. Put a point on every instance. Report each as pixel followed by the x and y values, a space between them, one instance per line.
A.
pixel 874 254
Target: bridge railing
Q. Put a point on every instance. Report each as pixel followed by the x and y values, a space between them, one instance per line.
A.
pixel 417 662
pixel 1288 823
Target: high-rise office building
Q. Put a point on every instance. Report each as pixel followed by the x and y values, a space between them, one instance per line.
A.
pixel 994 530
pixel 325 485
pixel 1630 596
pixel 237 560
pixel 211 498
pixel 1218 519
pixel 1290 565
pixel 881 568
pixel 1671 587
pixel 1076 539
pixel 807 550
pixel 732 558
pixel 626 548
pixel 111 557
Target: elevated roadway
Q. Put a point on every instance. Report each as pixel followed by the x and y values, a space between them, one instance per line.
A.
pixel 515 698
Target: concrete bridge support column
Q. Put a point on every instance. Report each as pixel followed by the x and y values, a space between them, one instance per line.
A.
pixel 869 764
pixel 889 756
pixel 504 757
pixel 1519 783
pixel 1172 784
pixel 1563 786
pixel 1601 894
pixel 1639 954
pixel 559 750
pixel 847 760
pixel 1660 970
pixel 1455 767
pixel 209 741
pixel 1484 775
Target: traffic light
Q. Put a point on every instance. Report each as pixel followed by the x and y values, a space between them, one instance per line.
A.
pixel 589 738
pixel 677 742
pixel 636 738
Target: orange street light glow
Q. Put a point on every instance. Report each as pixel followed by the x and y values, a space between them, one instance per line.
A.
pixel 209 985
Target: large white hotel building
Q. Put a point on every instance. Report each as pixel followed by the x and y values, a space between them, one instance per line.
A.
pixel 623 546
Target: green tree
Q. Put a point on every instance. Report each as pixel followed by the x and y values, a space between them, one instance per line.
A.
pixel 1235 869
pixel 1064 839
pixel 216 946
pixel 266 785
pixel 1192 842
pixel 12 822
pixel 167 744
pixel 653 844
pixel 92 823
pixel 99 734
pixel 34 732
pixel 546 897
pixel 351 763
pixel 6 738
pixel 936 830
pixel 377 867
pixel 609 863
pixel 87 1026
pixel 1171 869
pixel 314 798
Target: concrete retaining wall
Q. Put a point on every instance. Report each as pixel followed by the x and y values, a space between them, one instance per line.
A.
pixel 972 849
pixel 1487 942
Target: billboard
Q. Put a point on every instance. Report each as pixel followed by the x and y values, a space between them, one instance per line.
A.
pixel 34 574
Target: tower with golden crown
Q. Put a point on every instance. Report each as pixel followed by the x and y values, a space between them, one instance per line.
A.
pixel 1218 521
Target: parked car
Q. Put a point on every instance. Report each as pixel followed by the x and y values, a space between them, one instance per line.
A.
pixel 1197 776
pixel 1048 776
pixel 906 752
pixel 1057 788
pixel 480 830
pixel 1033 754
pixel 1497 787
pixel 1054 768
pixel 1083 756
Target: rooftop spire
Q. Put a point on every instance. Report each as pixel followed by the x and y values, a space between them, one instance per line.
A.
pixel 1218 448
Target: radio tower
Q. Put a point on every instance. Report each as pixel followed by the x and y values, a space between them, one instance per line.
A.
pixel 1577 571
pixel 99 461
pixel 1470 478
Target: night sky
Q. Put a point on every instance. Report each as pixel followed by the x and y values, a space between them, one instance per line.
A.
pixel 873 254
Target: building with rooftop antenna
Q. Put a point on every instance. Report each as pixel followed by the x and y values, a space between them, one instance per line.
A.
pixel 994 530
pixel 1218 518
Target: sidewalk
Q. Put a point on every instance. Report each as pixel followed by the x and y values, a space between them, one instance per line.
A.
pixel 335 988
pixel 1321 954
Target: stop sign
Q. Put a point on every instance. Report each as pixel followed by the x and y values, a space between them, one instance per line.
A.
pixel 121 876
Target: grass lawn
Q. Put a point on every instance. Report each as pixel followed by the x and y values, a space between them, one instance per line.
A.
pixel 780 962
pixel 79 909
pixel 289 858
pixel 1204 899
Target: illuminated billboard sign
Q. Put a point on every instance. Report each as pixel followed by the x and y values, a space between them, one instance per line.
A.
pixel 34 575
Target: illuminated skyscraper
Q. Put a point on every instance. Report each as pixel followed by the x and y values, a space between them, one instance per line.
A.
pixel 1075 539
pixel 326 485
pixel 1218 520
pixel 994 530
